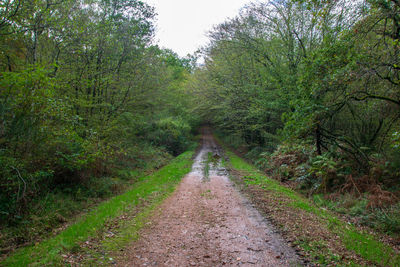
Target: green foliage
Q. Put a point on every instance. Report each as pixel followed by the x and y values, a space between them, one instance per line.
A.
pixel 387 219
pixel 364 244
pixel 319 74
pixel 171 133
pixel 383 219
pixel 27 100
pixel 30 115
pixel 84 95
pixel 396 140
pixel 161 182
pixel 322 165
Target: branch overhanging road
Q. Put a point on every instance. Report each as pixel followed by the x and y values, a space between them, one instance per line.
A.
pixel 207 222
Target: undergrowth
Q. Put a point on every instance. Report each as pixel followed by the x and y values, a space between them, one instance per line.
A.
pixel 48 252
pixel 364 245
pixel 46 215
pixel 369 197
pixel 384 219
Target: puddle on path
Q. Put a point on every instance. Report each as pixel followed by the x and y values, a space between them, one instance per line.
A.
pixel 207 222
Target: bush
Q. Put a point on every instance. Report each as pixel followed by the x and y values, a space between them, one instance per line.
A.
pixel 388 219
pixel 173 133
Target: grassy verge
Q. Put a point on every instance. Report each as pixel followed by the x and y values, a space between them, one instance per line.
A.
pixel 45 213
pixel 320 236
pixel 49 252
pixel 385 220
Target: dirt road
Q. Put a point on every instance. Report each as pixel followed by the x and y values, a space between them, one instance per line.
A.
pixel 207 222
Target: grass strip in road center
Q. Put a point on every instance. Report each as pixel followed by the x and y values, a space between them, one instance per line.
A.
pixel 48 252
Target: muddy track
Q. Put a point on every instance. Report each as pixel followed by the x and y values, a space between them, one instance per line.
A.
pixel 207 222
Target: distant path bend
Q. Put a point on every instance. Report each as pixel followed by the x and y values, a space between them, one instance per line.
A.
pixel 207 222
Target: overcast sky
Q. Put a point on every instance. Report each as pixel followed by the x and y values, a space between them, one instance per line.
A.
pixel 182 24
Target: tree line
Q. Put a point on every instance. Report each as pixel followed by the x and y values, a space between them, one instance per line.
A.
pixel 318 78
pixel 84 92
pixel 308 89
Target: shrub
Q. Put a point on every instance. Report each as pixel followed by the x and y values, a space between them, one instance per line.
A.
pixel 173 133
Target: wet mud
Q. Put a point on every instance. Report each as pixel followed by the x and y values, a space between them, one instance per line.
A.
pixel 207 222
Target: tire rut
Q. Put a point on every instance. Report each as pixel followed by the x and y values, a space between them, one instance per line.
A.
pixel 207 222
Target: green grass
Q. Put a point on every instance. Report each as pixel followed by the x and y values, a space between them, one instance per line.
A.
pixel 49 209
pixel 365 245
pixel 48 252
pixel 383 219
pixel 207 162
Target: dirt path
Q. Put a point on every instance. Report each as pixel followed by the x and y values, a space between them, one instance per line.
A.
pixel 206 222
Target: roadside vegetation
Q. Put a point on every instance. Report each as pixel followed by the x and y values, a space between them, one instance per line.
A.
pixel 309 91
pixel 124 215
pixel 88 104
pixel 306 90
pixel 317 234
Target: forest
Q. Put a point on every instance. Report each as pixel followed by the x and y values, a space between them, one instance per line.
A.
pixel 85 99
pixel 306 90
pixel 310 92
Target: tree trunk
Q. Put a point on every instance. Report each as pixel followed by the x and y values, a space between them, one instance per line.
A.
pixel 318 139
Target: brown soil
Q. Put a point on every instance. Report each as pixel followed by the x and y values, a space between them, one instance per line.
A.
pixel 300 226
pixel 207 222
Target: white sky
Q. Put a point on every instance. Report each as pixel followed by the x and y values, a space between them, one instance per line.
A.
pixel 182 25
